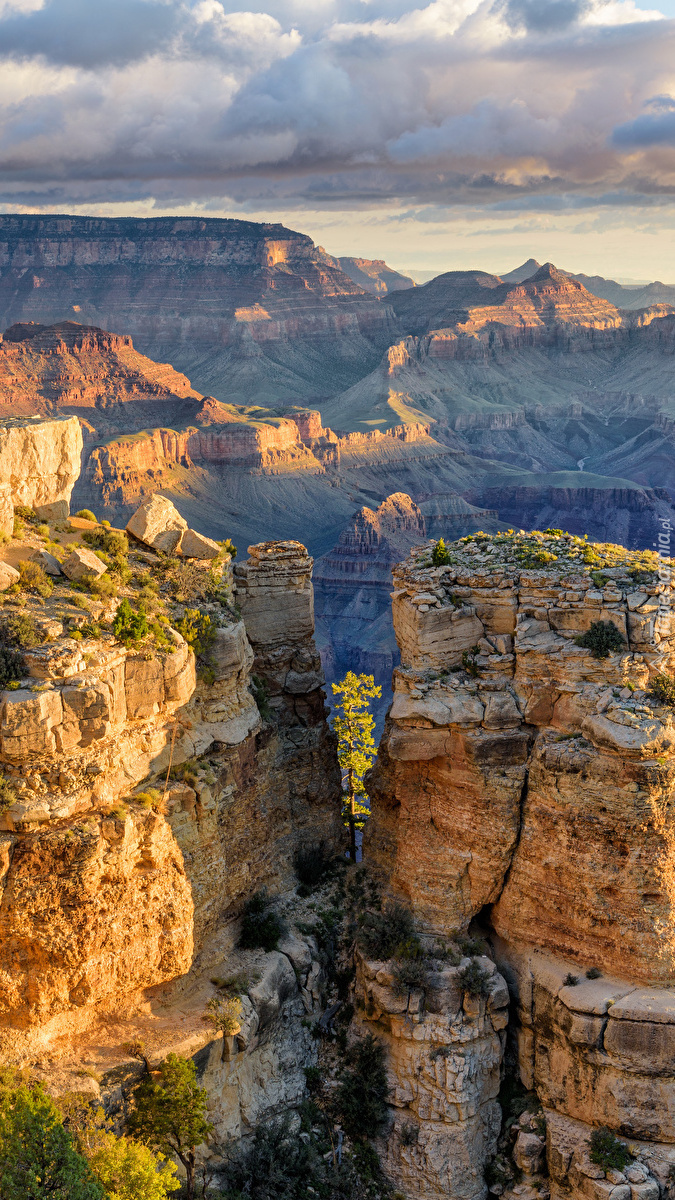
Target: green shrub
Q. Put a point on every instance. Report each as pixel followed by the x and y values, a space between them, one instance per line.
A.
pixel 570 980
pixel 361 1100
pixel 607 1151
pixel 261 928
pixel 313 1079
pixel 24 513
pixel 662 688
pixel 440 554
pixel 105 587
pixel 198 630
pixel 85 514
pixel 599 580
pixel 602 639
pixel 380 933
pixel 261 696
pixel 594 973
pixel 229 547
pixel 641 575
pixel 410 970
pixel 474 980
pixel 129 626
pixel 19 629
pixel 34 578
pixel 111 541
pixel 554 532
pixel 409 1134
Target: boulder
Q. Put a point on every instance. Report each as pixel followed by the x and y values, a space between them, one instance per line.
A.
pixel 195 545
pixel 8 576
pixel 158 523
pixel 58 510
pixel 528 1152
pixel 276 984
pixel 82 564
pixel 47 561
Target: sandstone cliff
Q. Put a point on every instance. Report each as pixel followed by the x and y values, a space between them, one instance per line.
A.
pixel 148 807
pixel 525 783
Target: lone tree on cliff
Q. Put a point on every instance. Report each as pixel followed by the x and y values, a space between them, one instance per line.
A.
pixel 354 726
pixel 170 1113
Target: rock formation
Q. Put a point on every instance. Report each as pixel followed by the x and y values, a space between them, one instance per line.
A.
pixel 79 369
pixel 147 807
pixel 255 307
pixel 39 464
pixel 525 782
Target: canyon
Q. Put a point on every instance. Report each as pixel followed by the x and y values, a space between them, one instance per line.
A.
pixel 521 812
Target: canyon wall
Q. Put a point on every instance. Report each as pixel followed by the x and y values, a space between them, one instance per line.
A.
pixel 148 807
pixel 525 784
pixel 212 296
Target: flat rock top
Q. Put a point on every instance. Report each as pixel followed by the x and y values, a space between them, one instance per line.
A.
pixel 595 995
pixel 647 1004
pixel 543 559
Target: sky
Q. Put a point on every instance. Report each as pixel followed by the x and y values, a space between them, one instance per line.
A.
pixel 448 135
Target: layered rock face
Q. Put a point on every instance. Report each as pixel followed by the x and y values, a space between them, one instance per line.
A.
pixel 526 782
pixel 83 370
pixel 39 464
pixel 105 894
pixel 353 584
pixel 444 1055
pixel 199 289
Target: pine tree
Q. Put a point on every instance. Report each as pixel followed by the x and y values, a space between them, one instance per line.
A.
pixel 170 1113
pixel 354 726
pixel 37 1156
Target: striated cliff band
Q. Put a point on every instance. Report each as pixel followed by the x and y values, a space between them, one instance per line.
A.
pixel 524 789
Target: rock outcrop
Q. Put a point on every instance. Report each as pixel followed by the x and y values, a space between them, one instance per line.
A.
pixel 525 782
pixel 108 890
pixel 444 1055
pixel 39 464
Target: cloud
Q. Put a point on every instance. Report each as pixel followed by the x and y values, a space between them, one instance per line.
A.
pixel 545 16
pixel 334 103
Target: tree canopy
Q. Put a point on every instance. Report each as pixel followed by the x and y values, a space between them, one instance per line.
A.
pixel 354 724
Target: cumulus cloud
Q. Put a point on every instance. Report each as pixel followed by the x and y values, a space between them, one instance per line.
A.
pixel 336 103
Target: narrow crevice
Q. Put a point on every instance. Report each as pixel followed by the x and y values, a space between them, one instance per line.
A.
pixel 516 844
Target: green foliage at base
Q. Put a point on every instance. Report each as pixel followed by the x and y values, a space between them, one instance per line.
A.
pixel 381 933
pixel 602 639
pixel 85 514
pixel 169 1113
pixel 261 928
pixel 34 578
pixel 37 1157
pixel 8 795
pixel 280 1165
pixel 198 630
pixel 12 666
pixel 607 1151
pixel 19 629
